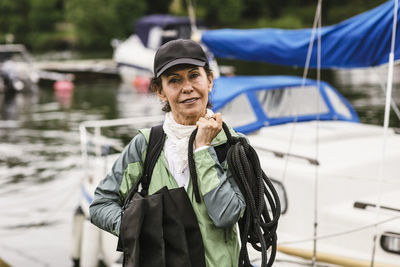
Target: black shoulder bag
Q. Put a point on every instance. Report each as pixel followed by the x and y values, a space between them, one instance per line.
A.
pixel 159 230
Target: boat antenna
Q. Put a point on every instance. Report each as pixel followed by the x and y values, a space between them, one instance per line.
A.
pixel 314 258
pixel 192 15
pixel 385 124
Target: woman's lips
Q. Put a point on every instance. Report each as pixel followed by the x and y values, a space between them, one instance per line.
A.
pixel 189 100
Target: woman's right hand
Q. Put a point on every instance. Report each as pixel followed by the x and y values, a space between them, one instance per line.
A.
pixel 208 129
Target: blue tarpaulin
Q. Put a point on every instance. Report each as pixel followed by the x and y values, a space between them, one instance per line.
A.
pixel 361 41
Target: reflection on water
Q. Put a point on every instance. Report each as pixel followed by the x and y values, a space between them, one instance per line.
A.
pixel 40 159
pixel 369 102
pixel 40 164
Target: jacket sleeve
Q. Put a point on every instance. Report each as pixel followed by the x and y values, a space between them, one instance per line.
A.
pixel 222 197
pixel 106 208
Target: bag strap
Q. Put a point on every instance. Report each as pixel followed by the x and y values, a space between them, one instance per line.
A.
pixel 154 148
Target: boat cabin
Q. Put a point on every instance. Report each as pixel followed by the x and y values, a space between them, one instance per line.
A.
pixel 251 102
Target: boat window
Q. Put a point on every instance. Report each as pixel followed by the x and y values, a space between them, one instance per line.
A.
pixel 238 112
pixel 294 101
pixel 154 39
pixel 173 32
pixel 169 35
pixel 11 56
pixel 337 103
pixel 185 31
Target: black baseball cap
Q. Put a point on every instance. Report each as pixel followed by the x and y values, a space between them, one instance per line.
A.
pixel 180 51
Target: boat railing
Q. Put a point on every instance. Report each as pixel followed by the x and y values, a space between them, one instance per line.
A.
pixel 97 140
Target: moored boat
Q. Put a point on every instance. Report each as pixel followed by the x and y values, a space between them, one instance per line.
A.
pixel 323 161
pixel 135 55
pixel 18 73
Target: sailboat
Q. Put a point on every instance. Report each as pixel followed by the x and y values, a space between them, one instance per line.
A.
pixel 339 180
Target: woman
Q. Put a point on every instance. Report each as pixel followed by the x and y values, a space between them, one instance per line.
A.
pixel 182 80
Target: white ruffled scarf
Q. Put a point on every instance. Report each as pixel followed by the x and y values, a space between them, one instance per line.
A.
pixel 179 136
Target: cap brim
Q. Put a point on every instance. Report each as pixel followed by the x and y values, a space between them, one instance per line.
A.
pixel 179 61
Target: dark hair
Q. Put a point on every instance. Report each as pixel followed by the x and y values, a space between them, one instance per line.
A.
pixel 156 86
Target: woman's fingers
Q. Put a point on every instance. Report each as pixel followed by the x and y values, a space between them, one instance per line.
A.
pixel 218 117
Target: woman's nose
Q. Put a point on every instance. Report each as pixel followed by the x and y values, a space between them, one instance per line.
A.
pixel 187 87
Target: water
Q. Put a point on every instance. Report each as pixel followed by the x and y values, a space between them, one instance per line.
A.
pixel 40 162
pixel 40 165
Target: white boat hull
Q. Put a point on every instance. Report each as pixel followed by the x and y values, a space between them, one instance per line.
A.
pixel 350 158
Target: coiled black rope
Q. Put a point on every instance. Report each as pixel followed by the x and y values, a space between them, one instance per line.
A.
pixel 260 220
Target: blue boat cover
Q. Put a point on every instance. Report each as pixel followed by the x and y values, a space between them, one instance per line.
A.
pixel 274 109
pixel 361 41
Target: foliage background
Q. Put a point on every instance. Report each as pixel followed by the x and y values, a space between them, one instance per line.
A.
pixel 91 24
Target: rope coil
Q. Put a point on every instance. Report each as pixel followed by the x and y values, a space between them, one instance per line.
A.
pixel 259 222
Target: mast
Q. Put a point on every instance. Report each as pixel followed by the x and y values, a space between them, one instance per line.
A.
pixel 385 125
pixel 314 258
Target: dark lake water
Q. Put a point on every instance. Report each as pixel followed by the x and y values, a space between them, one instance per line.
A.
pixel 40 161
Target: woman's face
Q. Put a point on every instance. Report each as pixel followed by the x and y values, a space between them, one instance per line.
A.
pixel 186 89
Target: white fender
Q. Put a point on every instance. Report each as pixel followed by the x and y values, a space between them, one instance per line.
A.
pixel 90 245
pixel 77 228
pixel 109 248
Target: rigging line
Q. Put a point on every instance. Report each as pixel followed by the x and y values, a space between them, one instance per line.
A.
pixel 311 43
pixel 305 73
pixel 314 257
pixel 383 87
pixel 354 230
pixel 385 125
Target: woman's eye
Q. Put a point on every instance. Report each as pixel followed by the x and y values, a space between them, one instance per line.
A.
pixel 173 80
pixel 194 75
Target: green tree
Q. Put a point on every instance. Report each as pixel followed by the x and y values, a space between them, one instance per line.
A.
pixel 158 6
pixel 43 16
pixel 221 12
pixel 13 19
pixel 254 8
pixel 96 22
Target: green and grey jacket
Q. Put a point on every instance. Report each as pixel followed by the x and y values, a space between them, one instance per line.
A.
pixel 221 207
